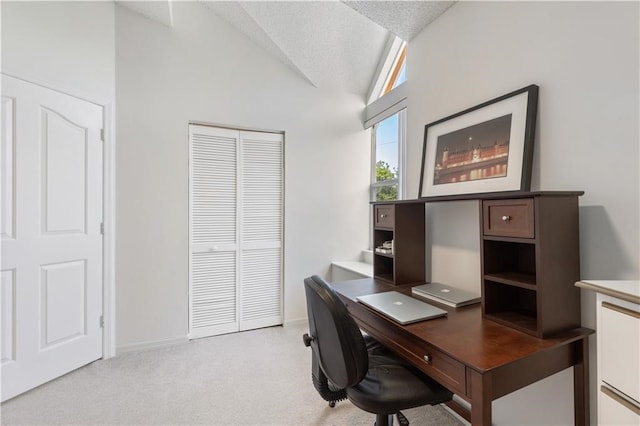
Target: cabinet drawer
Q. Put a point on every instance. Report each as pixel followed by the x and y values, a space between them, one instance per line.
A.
pixel 614 410
pixel 620 348
pixel 384 217
pixel 508 218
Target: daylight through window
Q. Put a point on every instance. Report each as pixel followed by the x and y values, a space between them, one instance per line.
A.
pixel 387 159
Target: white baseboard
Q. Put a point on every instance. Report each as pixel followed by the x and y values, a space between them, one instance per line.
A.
pixel 152 344
pixel 297 321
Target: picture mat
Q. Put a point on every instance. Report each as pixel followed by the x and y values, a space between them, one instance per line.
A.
pixel 515 105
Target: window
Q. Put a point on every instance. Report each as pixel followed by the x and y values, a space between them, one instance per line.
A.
pixel 391 71
pixel 387 158
pixel 386 112
pixel 398 74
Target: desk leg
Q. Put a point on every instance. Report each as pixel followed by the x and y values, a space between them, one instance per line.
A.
pixel 581 383
pixel 481 397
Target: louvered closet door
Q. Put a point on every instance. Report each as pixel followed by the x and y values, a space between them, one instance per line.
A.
pixel 261 229
pixel 213 205
pixel 235 230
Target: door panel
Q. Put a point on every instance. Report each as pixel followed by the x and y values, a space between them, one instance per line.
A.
pixel 8 181
pixel 260 284
pixel 51 239
pixel 63 302
pixel 64 148
pixel 8 316
pixel 213 231
pixel 261 288
pixel 213 293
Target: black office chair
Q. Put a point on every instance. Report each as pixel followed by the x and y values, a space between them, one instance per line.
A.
pixel 347 365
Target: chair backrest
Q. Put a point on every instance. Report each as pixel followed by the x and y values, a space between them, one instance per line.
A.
pixel 337 342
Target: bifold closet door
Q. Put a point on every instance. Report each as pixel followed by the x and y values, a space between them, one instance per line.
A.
pixel 261 229
pixel 213 201
pixel 236 197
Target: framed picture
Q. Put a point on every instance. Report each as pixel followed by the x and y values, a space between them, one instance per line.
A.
pixel 487 148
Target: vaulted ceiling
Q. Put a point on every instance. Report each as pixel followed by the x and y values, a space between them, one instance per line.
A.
pixel 335 45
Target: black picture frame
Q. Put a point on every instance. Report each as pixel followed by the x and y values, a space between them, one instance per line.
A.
pixel 486 148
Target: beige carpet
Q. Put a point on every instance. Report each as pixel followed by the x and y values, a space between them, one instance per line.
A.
pixel 259 377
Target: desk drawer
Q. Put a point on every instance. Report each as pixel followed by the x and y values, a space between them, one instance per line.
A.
pixel 508 218
pixel 441 367
pixel 384 216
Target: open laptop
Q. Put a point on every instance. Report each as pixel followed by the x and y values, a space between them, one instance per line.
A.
pixel 400 307
pixel 448 295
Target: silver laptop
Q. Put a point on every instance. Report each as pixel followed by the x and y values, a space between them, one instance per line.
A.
pixel 448 295
pixel 400 307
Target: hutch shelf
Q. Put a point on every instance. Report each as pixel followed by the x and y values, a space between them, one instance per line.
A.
pixel 530 260
pixel 402 226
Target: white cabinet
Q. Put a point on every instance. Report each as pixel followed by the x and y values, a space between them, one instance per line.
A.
pixel 618 351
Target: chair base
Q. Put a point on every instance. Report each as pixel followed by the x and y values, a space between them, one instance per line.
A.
pixel 387 419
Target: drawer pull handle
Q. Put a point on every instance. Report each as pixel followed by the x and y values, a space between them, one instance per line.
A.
pixel 427 358
pixel 506 218
pixel 382 216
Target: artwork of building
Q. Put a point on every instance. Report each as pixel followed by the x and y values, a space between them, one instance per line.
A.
pixel 479 162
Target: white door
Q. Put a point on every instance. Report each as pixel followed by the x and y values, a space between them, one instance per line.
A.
pixel 51 296
pixel 213 231
pixel 236 211
pixel 260 287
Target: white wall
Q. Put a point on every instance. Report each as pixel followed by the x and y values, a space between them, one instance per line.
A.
pixel 584 56
pixel 67 46
pixel 202 69
pixel 70 47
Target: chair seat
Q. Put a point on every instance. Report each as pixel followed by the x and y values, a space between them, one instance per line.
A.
pixel 391 385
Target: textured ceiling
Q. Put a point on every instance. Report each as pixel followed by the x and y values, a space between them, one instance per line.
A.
pixel 329 43
pixel 236 15
pixel 403 18
pixel 334 45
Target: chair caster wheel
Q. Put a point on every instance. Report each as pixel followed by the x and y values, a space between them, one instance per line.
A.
pixel 332 404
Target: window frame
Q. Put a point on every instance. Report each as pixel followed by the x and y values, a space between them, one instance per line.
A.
pixel 386 99
pixel 395 55
pixel 400 180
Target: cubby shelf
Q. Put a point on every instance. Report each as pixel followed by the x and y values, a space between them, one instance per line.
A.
pixel 517 279
pixel 530 261
pixel 523 321
pixel 404 224
pixel 390 256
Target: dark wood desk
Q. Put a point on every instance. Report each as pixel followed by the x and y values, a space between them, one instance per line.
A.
pixel 479 360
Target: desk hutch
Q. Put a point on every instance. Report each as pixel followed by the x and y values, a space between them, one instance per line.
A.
pixel 530 255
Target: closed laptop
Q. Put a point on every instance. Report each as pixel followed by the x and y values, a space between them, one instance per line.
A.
pixel 446 294
pixel 400 307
